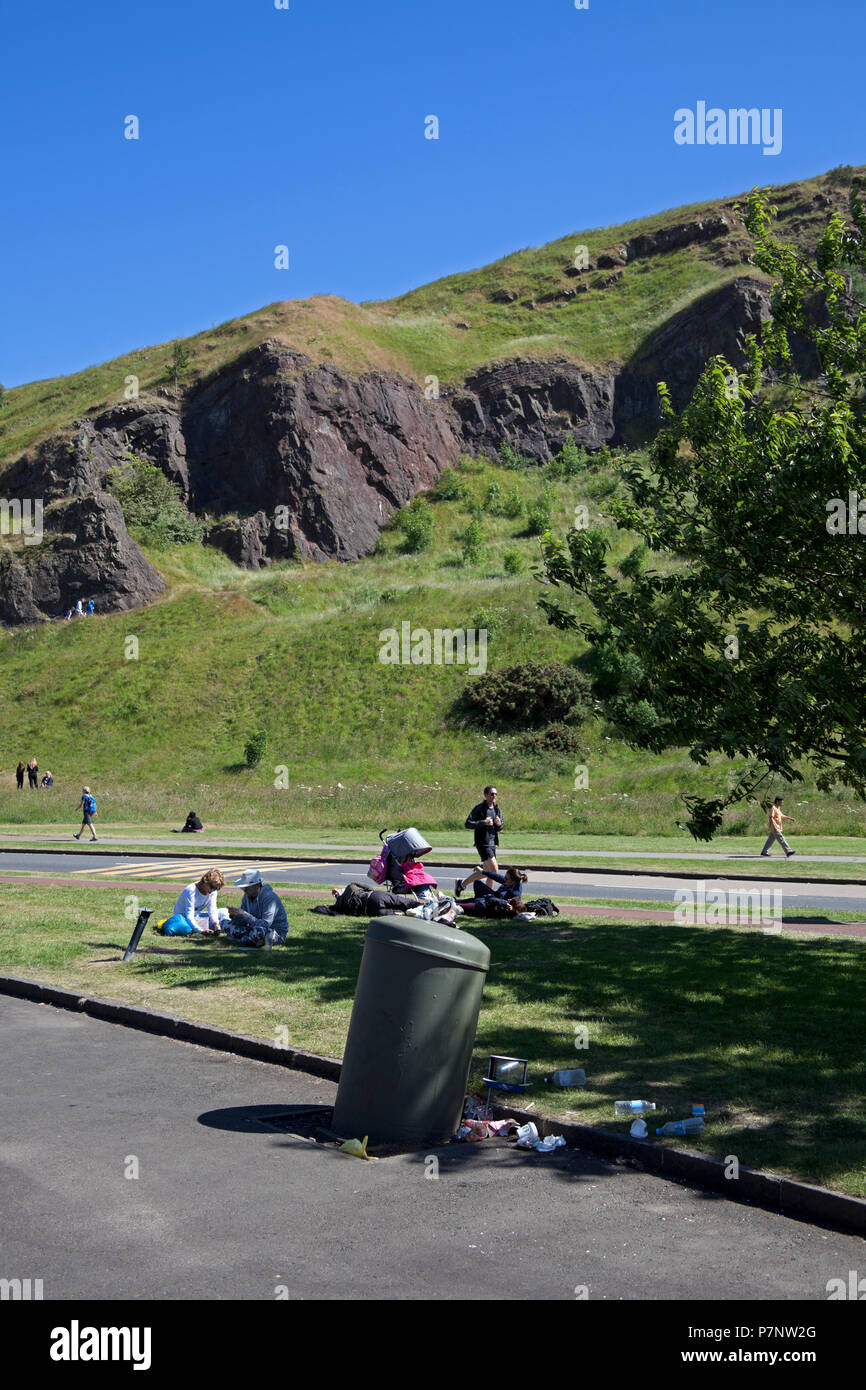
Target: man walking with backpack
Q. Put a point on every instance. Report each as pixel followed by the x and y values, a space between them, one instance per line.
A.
pixel 88 811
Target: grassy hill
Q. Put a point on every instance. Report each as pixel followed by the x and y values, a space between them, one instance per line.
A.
pixel 294 652
pixel 452 326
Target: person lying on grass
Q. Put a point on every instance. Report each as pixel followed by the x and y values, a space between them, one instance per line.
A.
pixel 505 901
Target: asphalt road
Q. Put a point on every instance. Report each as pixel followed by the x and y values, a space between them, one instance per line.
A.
pixel 223 1208
pixel 548 882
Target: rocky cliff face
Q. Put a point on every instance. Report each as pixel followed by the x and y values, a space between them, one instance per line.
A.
pixel 533 407
pixel 304 460
pixel 315 460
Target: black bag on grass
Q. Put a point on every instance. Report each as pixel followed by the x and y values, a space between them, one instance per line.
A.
pixel 542 907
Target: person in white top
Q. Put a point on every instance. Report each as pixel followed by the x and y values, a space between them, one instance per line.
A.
pixel 198 903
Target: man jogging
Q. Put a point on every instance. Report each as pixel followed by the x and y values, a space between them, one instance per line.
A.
pixel 485 821
pixel 775 826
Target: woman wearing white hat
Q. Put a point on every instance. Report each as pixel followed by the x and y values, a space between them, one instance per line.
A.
pixel 261 918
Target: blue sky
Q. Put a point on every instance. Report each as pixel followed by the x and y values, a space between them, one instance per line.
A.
pixel 305 126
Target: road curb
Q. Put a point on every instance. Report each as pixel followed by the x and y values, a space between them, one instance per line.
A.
pixel 707 876
pixel 785 1196
pixel 170 1026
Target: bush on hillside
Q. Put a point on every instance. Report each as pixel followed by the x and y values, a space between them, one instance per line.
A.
pixel 417 523
pixel 450 487
pixel 254 749
pixel 474 549
pixel 530 695
pixel 539 518
pixel 554 741
pixel 152 504
pixel 512 561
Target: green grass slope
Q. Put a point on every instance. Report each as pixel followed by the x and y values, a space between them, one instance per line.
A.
pixel 450 327
pixel 293 652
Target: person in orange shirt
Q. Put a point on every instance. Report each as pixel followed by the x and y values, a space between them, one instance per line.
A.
pixel 776 818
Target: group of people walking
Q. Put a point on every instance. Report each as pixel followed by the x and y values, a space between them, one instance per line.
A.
pixel 81 610
pixel 31 769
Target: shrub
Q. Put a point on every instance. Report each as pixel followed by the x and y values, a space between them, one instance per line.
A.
pixel 493 498
pixel 555 740
pixel 568 462
pixel 512 561
pixel 254 749
pixel 450 488
pixel 634 563
pixel 531 694
pixel 516 462
pixel 539 518
pixel 513 505
pixel 152 504
pixel 417 524
pixel 467 464
pixel 473 543
pixel 491 619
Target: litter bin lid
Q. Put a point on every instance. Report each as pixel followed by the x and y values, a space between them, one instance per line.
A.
pixel 431 939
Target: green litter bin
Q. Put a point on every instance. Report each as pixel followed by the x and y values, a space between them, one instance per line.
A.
pixel 411 1034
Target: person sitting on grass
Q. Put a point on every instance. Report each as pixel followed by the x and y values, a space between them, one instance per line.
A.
pixel 505 901
pixel 192 825
pixel 261 918
pixel 197 904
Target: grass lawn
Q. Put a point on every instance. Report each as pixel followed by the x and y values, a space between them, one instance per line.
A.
pixel 767 1031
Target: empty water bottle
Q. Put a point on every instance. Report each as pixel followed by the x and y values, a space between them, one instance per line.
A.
pixel 627 1109
pixel 694 1125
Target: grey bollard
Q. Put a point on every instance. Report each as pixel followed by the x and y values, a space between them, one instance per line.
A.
pixel 411 1033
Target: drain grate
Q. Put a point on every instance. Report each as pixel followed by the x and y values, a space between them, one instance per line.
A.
pixel 306 1121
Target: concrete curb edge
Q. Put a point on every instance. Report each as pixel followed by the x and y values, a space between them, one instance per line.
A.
pixel 783 1195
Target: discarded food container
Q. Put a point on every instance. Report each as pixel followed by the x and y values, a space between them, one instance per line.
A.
pixel 690 1126
pixel 527 1136
pixel 575 1077
pixel 639 1129
pixel 626 1108
pixel 699 1110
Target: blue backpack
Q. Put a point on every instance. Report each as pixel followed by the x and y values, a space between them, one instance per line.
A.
pixel 89 806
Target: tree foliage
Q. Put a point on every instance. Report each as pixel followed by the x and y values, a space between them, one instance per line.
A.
pixel 741 630
pixel 152 504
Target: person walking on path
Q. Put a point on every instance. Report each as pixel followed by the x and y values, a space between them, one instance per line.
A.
pixel 775 826
pixel 88 811
pixel 33 773
pixel 485 821
pixel 19 775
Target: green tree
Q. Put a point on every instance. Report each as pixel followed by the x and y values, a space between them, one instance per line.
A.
pixel 417 523
pixel 152 504
pixel 179 362
pixel 745 632
pixel 474 549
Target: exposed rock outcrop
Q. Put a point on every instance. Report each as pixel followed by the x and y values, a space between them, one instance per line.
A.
pixel 316 459
pixel 86 553
pixel 534 406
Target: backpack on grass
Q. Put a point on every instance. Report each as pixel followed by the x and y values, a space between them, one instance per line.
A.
pixel 542 907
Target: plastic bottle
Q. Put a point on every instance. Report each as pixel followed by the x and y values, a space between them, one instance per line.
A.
pixel 694 1125
pixel 575 1077
pixel 625 1109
